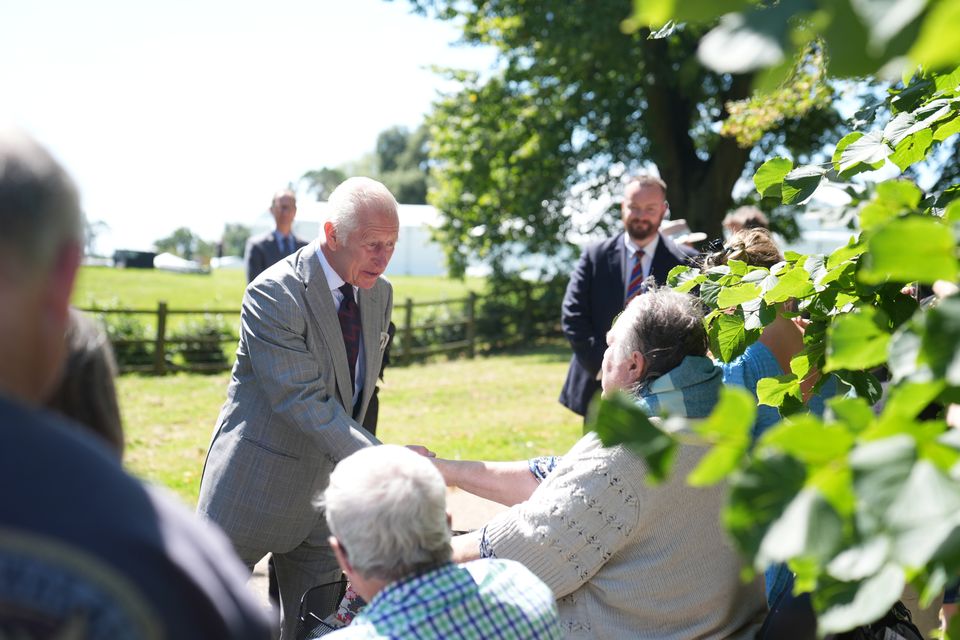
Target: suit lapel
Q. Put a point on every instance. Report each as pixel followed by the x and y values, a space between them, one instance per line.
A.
pixel 272 249
pixel 319 301
pixel 663 262
pixel 615 258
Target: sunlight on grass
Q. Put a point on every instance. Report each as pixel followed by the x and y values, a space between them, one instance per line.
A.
pixel 497 408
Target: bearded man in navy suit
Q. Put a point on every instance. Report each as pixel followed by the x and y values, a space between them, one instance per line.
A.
pixel 607 276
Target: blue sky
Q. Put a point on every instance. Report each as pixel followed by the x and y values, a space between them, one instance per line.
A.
pixel 192 113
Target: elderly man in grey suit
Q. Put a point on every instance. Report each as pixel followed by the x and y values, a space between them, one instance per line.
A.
pixel 272 247
pixel 307 363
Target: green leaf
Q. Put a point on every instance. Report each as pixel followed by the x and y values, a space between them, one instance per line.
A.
pixel 809 527
pixel 842 606
pixel 867 150
pixel 710 291
pixel 841 255
pixel 937 46
pixel 808 439
pixel 618 420
pixel 773 391
pixel 758 495
pixel 729 337
pixel 683 278
pixel 837 158
pixel 816 266
pixel 880 469
pixel 805 361
pixel 864 383
pixel 923 515
pixel 731 418
pixel 886 18
pixel 716 465
pixel 835 482
pixel 854 412
pixel 906 401
pixel 912 149
pixel 904 356
pixel 737 295
pixel 770 175
pixel 952 212
pixel 892 198
pixel 729 427
pixel 792 283
pixel 799 184
pixel 906 124
pixel 947 128
pixel 855 341
pixel 656 13
pixel 916 248
pixel 862 560
pixel 941 340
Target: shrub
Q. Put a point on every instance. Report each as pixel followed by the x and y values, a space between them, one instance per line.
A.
pixel 201 340
pixel 126 332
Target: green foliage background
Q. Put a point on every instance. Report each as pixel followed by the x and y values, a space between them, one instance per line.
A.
pixel 866 498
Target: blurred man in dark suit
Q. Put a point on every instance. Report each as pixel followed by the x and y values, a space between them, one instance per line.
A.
pixel 273 246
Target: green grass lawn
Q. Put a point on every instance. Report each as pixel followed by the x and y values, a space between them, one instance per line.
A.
pixel 502 407
pixel 222 289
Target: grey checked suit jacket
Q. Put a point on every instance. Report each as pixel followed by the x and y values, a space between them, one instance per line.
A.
pixel 284 427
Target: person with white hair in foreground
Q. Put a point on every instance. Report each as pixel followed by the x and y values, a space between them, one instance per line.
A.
pixel 386 509
pixel 626 559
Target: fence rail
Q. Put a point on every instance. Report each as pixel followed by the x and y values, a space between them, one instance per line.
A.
pixel 426 328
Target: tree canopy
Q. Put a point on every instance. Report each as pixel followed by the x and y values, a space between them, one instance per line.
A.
pixel 572 104
pixel 399 161
pixel 185 243
pixel 864 499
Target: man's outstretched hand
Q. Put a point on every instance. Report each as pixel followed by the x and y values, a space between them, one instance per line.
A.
pixel 421 450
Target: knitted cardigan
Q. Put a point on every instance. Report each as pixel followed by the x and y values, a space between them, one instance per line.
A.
pixel 626 559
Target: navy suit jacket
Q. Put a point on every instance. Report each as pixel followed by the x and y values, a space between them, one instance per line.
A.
pixel 262 252
pixel 594 297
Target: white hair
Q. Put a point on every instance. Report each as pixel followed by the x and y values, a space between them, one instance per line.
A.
pixel 387 507
pixel 351 197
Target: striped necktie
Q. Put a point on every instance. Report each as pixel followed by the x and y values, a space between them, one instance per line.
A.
pixel 636 277
pixel 349 316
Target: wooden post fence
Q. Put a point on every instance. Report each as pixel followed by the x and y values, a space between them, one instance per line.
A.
pixel 160 346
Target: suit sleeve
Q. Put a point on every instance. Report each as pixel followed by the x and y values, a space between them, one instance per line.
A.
pixel 255 261
pixel 275 328
pixel 576 318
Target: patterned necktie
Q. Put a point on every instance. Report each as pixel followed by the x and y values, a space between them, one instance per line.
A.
pixel 636 277
pixel 349 315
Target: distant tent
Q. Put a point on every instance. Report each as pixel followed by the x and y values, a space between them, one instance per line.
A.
pixel 170 262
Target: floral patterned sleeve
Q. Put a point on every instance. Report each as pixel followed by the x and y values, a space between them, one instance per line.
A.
pixel 542 466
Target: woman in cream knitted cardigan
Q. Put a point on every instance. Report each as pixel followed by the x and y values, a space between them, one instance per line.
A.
pixel 625 559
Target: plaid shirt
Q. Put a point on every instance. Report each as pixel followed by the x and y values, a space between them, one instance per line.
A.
pixel 479 599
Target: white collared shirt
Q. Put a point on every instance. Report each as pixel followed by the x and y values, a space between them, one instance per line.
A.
pixel 629 260
pixel 334 281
